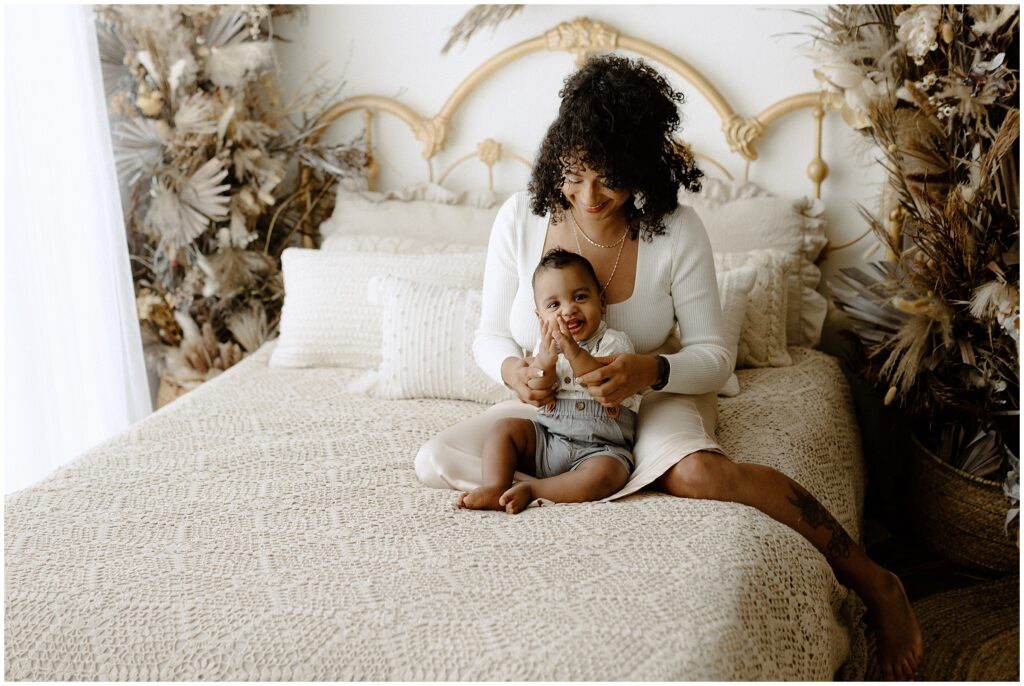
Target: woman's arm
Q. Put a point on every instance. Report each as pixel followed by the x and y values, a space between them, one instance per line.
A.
pixel 493 342
pixel 703 363
pixel 494 349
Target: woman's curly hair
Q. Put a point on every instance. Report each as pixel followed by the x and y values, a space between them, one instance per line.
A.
pixel 617 117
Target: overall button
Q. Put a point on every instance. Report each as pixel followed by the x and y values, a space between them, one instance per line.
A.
pixel 580 405
pixel 568 380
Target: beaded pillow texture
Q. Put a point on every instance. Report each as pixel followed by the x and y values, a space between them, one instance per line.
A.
pixel 327 320
pixel 427 343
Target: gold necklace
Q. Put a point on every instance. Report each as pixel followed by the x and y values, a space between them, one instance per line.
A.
pixel 579 249
pixel 592 242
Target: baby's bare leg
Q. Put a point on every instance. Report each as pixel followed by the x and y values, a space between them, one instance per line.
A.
pixel 509 447
pixel 597 478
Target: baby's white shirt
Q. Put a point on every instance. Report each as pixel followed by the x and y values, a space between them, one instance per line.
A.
pixel 604 342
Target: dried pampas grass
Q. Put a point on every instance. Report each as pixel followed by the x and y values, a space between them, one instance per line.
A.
pixel 479 17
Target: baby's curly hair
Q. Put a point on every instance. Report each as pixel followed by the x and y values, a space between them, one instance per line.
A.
pixel 617 117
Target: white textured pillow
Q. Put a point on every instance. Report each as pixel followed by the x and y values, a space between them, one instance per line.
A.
pixel 327 320
pixel 427 343
pixel 734 288
pixel 394 244
pixel 425 211
pixel 762 341
pixel 742 217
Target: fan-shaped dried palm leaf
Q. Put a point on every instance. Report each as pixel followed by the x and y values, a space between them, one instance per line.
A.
pixel 202 193
pixel 197 115
pixel 169 222
pixel 178 218
pixel 113 51
pixel 225 29
pixel 138 148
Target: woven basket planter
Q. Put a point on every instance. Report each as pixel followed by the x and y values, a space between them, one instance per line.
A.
pixel 959 515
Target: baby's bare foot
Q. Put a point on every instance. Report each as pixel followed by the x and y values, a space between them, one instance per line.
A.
pixel 515 499
pixel 900 648
pixel 483 498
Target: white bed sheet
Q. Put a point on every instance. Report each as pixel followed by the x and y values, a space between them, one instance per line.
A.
pixel 269 525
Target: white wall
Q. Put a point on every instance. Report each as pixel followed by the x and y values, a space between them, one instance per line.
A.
pixel 394 51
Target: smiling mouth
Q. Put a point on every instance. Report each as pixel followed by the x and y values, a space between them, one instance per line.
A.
pixel 575 326
pixel 594 208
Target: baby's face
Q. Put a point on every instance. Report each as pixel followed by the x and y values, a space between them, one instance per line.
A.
pixel 571 293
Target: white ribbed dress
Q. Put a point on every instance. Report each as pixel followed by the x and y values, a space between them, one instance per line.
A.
pixel 675 281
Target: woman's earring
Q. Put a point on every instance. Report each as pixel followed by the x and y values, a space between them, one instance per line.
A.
pixel 639 200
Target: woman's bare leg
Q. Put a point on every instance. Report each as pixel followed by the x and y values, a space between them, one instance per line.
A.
pixel 712 476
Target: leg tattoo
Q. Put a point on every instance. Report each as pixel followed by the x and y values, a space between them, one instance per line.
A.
pixel 812 512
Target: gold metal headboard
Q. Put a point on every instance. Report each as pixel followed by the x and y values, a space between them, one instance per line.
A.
pixel 582 37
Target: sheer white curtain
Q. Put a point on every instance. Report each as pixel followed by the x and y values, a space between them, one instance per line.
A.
pixel 74 368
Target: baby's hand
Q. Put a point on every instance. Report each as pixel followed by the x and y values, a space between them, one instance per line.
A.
pixel 560 332
pixel 547 353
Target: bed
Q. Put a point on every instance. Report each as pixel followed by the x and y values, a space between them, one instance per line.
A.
pixel 269 525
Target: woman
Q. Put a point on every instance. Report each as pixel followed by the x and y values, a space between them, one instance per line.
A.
pixel 605 185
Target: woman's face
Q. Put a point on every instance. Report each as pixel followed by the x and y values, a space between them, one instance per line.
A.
pixel 587 193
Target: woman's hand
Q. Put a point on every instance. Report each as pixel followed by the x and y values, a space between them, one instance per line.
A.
pixel 531 385
pixel 623 375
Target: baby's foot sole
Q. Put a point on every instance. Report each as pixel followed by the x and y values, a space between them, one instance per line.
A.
pixel 515 499
pixel 483 498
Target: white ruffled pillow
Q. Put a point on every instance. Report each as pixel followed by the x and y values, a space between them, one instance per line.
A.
pixel 427 344
pixel 734 288
pixel 327 320
pixel 425 211
pixel 762 341
pixel 740 217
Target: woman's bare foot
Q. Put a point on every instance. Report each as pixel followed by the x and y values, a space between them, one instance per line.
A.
pixel 899 647
pixel 515 499
pixel 483 498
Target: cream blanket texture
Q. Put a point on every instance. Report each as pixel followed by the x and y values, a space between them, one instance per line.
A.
pixel 269 525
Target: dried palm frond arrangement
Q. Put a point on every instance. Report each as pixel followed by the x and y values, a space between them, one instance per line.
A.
pixel 479 17
pixel 935 90
pixel 203 147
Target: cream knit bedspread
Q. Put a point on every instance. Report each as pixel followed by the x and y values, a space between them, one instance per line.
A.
pixel 269 526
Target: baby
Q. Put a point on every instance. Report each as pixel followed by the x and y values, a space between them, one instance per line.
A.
pixel 578 449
